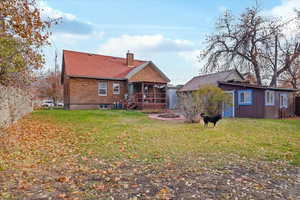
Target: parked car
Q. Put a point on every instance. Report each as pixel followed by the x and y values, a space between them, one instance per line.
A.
pixel 60 104
pixel 47 103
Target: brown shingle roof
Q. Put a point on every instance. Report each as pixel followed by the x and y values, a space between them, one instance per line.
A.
pixel 208 79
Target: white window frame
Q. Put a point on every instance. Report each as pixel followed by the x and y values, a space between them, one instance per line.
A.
pixel 283 100
pixel 246 101
pixel 116 85
pixel 271 100
pixel 103 88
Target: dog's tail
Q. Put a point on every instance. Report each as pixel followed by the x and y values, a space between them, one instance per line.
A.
pixel 202 114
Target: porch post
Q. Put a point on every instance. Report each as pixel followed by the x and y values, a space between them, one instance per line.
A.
pixel 166 98
pixel 154 93
pixel 142 95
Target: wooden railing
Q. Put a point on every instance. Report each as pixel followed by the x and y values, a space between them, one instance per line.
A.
pixel 150 97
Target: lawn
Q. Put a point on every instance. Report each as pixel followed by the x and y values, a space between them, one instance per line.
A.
pixel 129 134
pixel 109 154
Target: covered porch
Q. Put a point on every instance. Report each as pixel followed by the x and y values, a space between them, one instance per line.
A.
pixel 147 95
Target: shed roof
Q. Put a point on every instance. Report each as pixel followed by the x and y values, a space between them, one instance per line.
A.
pixel 257 86
pixel 208 79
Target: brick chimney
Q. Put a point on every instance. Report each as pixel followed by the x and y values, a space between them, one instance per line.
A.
pixel 129 59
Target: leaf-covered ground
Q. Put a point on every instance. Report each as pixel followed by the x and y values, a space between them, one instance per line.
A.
pixel 124 155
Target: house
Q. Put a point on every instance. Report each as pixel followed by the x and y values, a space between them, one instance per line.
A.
pixel 248 100
pixel 93 81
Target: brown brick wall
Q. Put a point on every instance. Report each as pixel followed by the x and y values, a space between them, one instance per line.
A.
pixel 148 74
pixel 84 93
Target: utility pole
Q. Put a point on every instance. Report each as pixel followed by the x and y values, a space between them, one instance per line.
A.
pixel 276 59
pixel 56 63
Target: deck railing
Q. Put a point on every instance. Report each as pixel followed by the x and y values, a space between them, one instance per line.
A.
pixel 150 97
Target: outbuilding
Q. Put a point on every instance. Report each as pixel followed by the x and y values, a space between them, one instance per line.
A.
pixel 248 100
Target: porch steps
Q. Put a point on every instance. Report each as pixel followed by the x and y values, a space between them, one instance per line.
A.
pixel 132 106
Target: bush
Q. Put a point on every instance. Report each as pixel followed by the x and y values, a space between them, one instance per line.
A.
pixel 208 99
pixel 189 107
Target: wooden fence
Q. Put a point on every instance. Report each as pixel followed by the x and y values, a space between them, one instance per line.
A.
pixel 297 103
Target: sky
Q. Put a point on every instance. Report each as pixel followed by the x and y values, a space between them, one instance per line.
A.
pixel 170 33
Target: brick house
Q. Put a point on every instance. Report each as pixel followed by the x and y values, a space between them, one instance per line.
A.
pixel 94 81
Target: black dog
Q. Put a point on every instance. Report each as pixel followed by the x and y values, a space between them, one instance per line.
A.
pixel 213 119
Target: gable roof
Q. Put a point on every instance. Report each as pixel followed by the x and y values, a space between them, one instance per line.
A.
pixel 209 79
pixel 86 65
pixel 141 67
pixel 78 64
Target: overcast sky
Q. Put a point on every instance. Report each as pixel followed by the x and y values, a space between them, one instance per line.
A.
pixel 171 33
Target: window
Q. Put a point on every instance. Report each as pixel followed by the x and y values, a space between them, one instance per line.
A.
pixel 283 100
pixel 102 89
pixel 269 98
pixel 103 106
pixel 116 88
pixel 245 97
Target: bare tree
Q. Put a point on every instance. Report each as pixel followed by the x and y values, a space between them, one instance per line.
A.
pixel 252 43
pixel 284 61
pixel 290 58
pixel 291 78
pixel 49 85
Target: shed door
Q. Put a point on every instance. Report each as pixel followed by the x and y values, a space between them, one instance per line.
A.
pixel 228 109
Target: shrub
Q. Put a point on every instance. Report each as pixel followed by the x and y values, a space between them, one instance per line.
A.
pixel 208 99
pixel 189 107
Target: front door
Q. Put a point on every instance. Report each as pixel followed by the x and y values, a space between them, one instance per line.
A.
pixel 228 109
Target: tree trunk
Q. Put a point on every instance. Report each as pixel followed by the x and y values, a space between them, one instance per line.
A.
pixel 274 80
pixel 294 83
pixel 257 74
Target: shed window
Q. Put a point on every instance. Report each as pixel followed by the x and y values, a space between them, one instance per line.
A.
pixel 245 97
pixel 102 89
pixel 283 100
pixel 116 88
pixel 269 98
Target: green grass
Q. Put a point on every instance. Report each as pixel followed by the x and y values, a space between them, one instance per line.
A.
pixel 129 134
